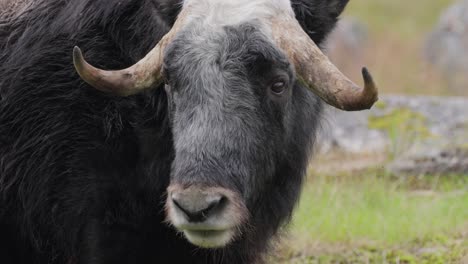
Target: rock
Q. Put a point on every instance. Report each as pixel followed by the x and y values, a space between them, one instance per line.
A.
pixel 349 132
pixel 420 134
pixel 446 46
pixel 440 162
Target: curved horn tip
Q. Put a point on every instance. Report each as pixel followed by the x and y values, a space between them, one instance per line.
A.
pixel 370 89
pixel 367 76
pixel 78 58
pixel 76 50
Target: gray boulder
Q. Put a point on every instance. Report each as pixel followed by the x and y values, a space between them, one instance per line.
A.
pixel 447 46
pixel 419 134
pixel 453 160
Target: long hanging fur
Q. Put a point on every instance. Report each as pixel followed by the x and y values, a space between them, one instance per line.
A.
pixel 71 158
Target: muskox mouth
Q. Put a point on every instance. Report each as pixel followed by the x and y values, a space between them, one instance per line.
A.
pixel 209 217
pixel 209 238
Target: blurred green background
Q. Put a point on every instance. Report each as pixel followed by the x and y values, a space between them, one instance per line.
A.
pixel 398 30
pixel 370 215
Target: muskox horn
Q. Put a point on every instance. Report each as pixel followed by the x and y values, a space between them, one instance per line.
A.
pixel 317 72
pixel 143 75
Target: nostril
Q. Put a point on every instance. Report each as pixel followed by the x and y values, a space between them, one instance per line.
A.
pixel 198 208
pixel 212 206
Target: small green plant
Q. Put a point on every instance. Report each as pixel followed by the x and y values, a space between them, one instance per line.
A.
pixel 403 127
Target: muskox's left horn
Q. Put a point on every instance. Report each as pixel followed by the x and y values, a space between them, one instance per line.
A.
pixel 143 75
pixel 316 70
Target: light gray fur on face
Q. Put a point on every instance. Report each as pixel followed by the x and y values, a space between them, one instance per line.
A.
pixel 222 127
pixel 202 36
pixel 13 8
pixel 214 101
pixel 229 12
pixel 230 131
pixel 218 13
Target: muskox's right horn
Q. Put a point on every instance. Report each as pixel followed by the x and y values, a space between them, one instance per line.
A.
pixel 317 72
pixel 143 75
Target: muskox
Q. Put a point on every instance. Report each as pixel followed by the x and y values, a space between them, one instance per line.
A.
pixel 193 153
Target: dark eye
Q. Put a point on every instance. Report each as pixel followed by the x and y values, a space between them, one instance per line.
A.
pixel 278 87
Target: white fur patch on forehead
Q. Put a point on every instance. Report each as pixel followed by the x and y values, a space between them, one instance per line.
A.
pixel 233 12
pixel 12 8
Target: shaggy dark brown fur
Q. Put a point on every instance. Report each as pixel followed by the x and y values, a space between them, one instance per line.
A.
pixel 83 174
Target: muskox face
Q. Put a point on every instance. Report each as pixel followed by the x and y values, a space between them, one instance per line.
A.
pixel 230 93
pixel 241 121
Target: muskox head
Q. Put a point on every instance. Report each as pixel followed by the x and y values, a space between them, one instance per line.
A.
pixel 236 74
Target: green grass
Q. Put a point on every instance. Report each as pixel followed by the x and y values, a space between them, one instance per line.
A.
pixel 378 217
pixel 455 253
pixel 380 209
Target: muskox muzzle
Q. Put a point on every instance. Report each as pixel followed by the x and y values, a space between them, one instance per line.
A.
pixel 209 217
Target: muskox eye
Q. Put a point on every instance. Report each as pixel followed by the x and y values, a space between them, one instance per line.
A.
pixel 278 87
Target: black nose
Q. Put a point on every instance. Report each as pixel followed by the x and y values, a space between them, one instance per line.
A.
pixel 196 205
